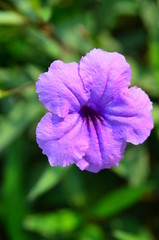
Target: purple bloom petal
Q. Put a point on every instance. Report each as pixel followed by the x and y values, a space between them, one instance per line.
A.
pixel 60 89
pixel 104 74
pixel 131 115
pixel 64 141
pixel 94 114
pixel 106 147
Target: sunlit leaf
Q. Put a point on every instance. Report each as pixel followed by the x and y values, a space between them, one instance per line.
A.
pixel 48 224
pixel 11 18
pixel 155 114
pixel 45 13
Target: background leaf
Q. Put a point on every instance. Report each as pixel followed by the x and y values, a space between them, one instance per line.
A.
pixel 118 200
pixel 63 221
pixel 47 180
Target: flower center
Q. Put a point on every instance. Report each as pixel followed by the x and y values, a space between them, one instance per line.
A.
pixel 89 113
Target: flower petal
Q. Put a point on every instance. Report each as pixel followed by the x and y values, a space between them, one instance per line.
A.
pixel 61 89
pixel 104 74
pixel 131 115
pixel 106 148
pixel 64 141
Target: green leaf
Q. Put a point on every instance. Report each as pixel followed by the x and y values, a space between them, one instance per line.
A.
pixel 74 188
pixel 142 235
pixel 11 18
pixel 26 8
pixel 144 78
pixel 45 13
pixel 149 14
pixel 118 200
pixel 75 31
pixel 47 44
pixel 126 7
pixel 63 221
pixel 3 93
pixel 33 71
pixel 13 199
pixel 155 114
pixel 106 41
pixel 49 179
pixel 135 165
pixel 91 232
pixel 13 124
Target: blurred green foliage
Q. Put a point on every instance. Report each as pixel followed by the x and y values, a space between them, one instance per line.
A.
pixel 44 203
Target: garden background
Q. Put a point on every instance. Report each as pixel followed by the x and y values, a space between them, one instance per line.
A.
pixel 38 202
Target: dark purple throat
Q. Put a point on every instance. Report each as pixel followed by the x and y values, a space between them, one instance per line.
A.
pixel 90 114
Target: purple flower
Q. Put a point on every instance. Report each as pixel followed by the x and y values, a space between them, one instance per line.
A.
pixel 93 113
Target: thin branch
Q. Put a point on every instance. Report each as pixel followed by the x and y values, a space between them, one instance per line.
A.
pixel 6 93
